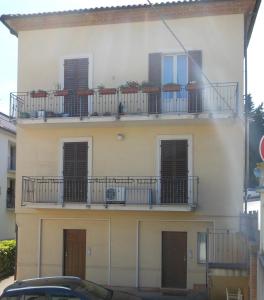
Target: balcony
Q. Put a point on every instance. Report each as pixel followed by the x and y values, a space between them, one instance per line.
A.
pixel 10 199
pixel 219 99
pixel 138 193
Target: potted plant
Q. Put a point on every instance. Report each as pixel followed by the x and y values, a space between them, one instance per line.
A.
pixel 85 92
pixel 149 87
pixel 38 94
pixel 63 93
pixel 106 91
pixel 130 87
pixel 171 87
pixel 193 86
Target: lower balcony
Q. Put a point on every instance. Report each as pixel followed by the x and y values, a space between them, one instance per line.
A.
pixel 218 100
pixel 116 193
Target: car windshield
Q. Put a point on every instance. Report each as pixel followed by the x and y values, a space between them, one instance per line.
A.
pixel 93 289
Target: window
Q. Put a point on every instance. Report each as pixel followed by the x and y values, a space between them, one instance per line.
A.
pixel 175 70
pixel 12 157
pixel 201 247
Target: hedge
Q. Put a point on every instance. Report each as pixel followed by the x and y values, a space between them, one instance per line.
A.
pixel 7 257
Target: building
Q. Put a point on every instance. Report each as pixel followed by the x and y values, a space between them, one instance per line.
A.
pixel 7 178
pixel 120 185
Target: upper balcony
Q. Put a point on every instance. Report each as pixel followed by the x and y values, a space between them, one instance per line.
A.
pixel 192 101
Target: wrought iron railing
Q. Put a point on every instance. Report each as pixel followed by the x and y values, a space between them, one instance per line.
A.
pixel 122 190
pixel 10 200
pixel 216 98
pixel 227 250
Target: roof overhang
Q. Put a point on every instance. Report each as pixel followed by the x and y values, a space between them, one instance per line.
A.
pixel 133 13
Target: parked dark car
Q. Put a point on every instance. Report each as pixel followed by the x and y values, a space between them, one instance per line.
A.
pixel 61 288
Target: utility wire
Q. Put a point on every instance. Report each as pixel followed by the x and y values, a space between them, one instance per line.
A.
pixel 187 53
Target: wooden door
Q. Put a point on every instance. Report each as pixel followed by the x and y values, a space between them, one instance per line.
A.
pixel 174 259
pixel 174 171
pixel 74 252
pixel 75 168
pixel 76 77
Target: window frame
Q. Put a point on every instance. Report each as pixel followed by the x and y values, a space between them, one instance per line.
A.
pixel 199 235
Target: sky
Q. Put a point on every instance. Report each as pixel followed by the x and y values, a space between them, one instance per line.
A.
pixel 8 42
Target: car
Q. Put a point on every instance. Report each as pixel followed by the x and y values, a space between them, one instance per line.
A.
pixel 61 288
pixel 252 194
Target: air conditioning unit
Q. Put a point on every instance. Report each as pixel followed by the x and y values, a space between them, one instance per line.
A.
pixel 115 195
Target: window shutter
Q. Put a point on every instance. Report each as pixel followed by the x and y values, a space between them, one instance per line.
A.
pixel 194 74
pixel 174 158
pixel 75 77
pixel 75 171
pixel 154 77
pixel 174 171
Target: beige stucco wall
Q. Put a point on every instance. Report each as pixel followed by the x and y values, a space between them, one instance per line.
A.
pixel 7 216
pixel 119 52
pixel 113 240
pixel 216 156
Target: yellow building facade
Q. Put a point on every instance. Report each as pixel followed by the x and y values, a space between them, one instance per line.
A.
pixel 120 188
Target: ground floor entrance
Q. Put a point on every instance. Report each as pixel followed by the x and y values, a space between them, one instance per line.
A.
pixel 74 252
pixel 129 249
pixel 174 259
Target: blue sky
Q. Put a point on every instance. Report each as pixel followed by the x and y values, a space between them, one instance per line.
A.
pixel 8 42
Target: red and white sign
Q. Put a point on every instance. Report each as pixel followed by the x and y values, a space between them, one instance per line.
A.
pixel 261 148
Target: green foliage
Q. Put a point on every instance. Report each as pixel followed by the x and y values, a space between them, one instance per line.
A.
pixel 7 257
pixel 256 131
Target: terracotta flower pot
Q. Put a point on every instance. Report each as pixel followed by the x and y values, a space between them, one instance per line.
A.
pixel 85 92
pixel 39 94
pixel 107 91
pixel 61 93
pixel 171 87
pixel 129 90
pixel 150 89
pixel 193 87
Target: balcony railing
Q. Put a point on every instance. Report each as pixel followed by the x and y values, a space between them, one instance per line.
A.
pixel 228 250
pixel 148 191
pixel 216 98
pixel 10 200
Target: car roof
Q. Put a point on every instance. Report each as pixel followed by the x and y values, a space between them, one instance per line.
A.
pixel 58 281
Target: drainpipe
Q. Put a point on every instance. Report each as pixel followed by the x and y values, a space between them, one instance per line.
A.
pixel 246 167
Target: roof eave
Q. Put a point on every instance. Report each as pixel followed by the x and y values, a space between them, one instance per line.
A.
pixel 252 21
pixel 12 31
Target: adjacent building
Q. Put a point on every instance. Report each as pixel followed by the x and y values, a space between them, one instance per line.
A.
pixel 7 177
pixel 121 184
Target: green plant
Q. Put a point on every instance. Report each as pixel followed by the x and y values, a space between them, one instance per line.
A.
pixel 7 257
pixel 130 84
pixel 100 86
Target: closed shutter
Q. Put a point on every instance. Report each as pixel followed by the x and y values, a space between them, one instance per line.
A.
pixel 154 77
pixel 75 171
pixel 174 171
pixel 194 74
pixel 76 77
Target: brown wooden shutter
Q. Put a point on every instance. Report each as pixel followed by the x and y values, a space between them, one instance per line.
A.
pixel 155 77
pixel 194 74
pixel 174 171
pixel 174 158
pixel 75 171
pixel 75 77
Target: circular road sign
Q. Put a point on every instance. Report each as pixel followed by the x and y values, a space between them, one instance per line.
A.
pixel 261 148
